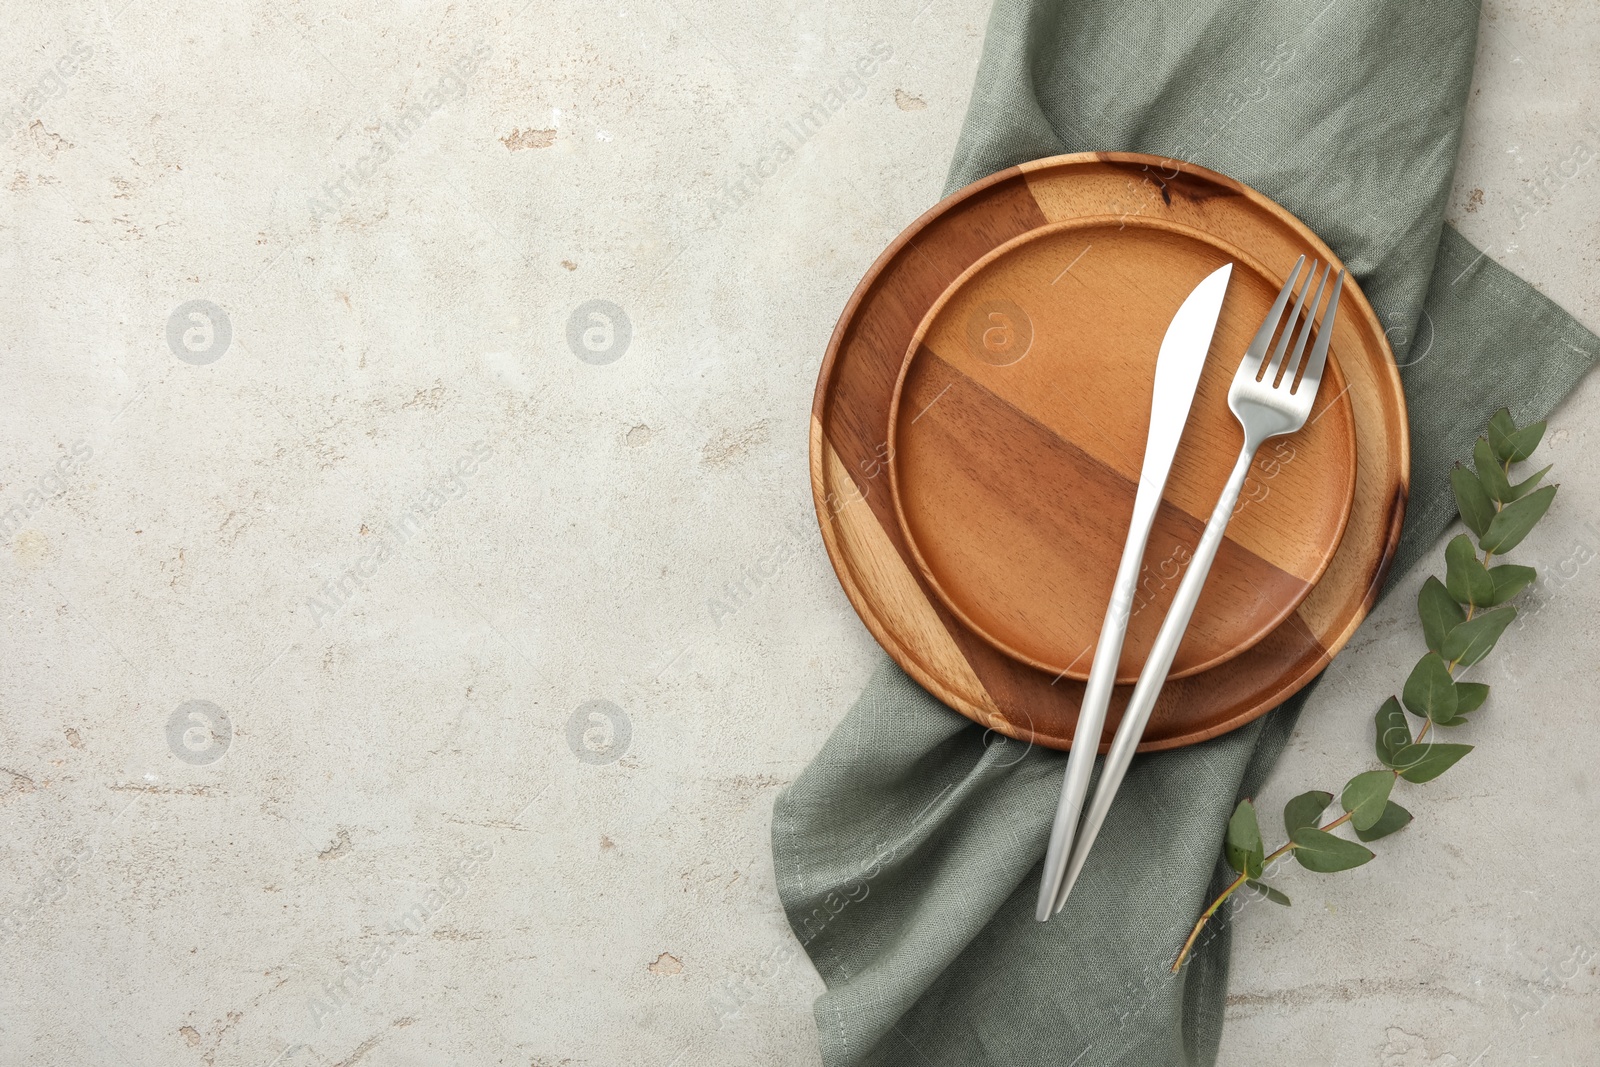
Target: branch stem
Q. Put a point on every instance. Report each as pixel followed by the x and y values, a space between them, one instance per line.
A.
pixel 1206 915
pixel 1234 886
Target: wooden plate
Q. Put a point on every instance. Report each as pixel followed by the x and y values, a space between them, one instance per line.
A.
pixel 850 451
pixel 1018 427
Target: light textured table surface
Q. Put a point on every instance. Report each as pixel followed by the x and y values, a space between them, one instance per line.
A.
pixel 400 661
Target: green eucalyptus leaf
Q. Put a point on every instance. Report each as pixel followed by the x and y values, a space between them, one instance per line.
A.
pixel 1430 691
pixel 1465 576
pixel 1501 433
pixel 1320 851
pixel 1244 849
pixel 1427 761
pixel 1526 441
pixel 1364 797
pixel 1475 638
pixel 1305 810
pixel 1267 891
pixel 1509 579
pixel 1527 485
pixel 1490 472
pixel 1439 612
pixel 1394 817
pixel 1470 697
pixel 1472 500
pixel 1514 520
pixel 1394 734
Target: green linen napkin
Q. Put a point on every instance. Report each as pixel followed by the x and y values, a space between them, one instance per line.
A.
pixel 908 854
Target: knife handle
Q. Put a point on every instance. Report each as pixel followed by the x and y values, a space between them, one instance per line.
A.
pixel 1096 698
pixel 1154 674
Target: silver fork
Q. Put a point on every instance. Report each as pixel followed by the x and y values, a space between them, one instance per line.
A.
pixel 1268 402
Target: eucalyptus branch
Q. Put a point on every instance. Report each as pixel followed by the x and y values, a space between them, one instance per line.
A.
pixel 1462 618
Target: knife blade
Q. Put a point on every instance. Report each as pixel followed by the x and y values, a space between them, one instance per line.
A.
pixel 1178 365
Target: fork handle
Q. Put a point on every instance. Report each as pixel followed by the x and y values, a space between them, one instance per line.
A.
pixel 1154 674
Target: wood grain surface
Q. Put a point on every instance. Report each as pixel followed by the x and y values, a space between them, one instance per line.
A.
pixel 981 470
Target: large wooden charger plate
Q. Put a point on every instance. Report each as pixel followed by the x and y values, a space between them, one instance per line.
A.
pixel 851 452
pixel 1017 433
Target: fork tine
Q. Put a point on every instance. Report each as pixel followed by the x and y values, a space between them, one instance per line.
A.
pixel 1253 355
pixel 1319 351
pixel 1283 342
pixel 1292 364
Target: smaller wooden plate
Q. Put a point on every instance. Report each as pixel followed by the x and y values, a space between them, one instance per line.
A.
pixel 1018 426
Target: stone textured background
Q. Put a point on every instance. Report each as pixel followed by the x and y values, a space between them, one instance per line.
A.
pixel 399 669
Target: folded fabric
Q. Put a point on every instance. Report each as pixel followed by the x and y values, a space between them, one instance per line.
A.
pixel 908 854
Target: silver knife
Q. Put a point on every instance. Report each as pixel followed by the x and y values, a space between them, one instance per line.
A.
pixel 1182 357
